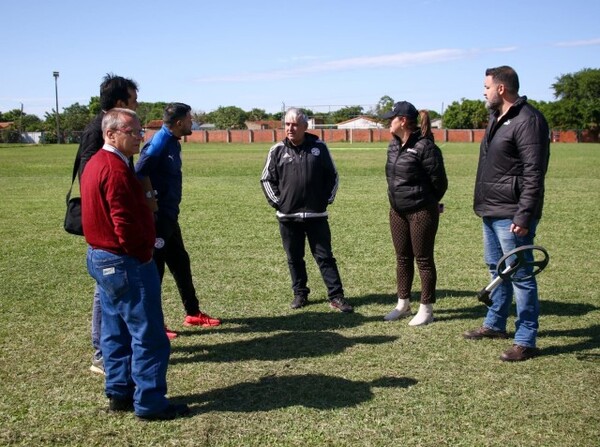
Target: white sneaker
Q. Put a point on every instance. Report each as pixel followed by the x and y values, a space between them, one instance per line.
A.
pixel 97 365
pixel 396 314
pixel 424 315
pixel 400 311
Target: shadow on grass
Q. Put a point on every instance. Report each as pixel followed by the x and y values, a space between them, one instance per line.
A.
pixel 283 346
pixel 311 390
pixel 391 299
pixel 300 320
pixel 588 338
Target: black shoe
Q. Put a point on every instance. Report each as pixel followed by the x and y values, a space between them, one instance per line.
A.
pixel 299 301
pixel 340 303
pixel 117 405
pixel 484 332
pixel 173 411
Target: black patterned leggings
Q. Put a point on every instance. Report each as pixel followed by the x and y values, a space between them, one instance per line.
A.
pixel 413 235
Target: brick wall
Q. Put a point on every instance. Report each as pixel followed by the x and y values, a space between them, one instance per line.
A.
pixel 268 136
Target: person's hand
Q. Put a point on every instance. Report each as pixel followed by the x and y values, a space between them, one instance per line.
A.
pixel 519 231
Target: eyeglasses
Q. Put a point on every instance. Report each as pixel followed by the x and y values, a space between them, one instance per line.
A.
pixel 132 133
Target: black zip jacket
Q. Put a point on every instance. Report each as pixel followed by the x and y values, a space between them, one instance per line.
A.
pixel 513 160
pixel 415 173
pixel 299 182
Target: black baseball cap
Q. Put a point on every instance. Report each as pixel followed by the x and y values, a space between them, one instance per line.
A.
pixel 402 108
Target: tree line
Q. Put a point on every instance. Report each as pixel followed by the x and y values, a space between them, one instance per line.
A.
pixel 577 107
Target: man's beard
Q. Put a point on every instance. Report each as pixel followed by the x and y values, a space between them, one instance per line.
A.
pixel 494 105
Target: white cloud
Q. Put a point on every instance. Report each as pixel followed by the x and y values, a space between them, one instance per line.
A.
pixel 579 43
pixel 398 60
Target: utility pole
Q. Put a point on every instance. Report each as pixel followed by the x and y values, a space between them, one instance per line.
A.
pixel 55 74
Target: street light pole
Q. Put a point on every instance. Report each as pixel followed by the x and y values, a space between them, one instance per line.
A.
pixel 55 74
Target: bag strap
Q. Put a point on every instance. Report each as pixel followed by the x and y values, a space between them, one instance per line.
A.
pixel 75 170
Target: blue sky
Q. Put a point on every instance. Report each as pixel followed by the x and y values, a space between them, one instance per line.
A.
pixel 267 54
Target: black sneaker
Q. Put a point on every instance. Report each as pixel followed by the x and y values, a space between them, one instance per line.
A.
pixel 299 301
pixel 340 303
pixel 173 411
pixel 118 405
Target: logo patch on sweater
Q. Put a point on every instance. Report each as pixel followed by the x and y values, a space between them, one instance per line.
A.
pixel 315 151
pixel 108 271
pixel 287 158
pixel 159 243
pixel 412 151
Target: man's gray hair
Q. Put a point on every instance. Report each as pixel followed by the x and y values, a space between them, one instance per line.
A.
pixel 113 119
pixel 297 115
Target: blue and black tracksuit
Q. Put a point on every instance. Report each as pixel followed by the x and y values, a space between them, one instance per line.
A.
pixel 160 159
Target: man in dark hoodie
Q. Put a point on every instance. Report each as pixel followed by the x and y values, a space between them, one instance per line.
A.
pixel 509 196
pixel 300 180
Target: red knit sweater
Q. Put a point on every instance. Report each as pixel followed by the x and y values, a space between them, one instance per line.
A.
pixel 114 213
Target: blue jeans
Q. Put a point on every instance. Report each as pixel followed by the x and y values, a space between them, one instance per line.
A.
pixel 135 347
pixel 96 323
pixel 498 240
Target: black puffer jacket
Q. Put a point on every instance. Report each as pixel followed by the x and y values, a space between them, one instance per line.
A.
pixel 513 160
pixel 415 173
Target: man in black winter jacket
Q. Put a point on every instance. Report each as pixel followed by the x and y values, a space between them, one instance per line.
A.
pixel 509 196
pixel 300 180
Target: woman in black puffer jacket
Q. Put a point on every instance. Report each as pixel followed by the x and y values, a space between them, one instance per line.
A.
pixel 417 182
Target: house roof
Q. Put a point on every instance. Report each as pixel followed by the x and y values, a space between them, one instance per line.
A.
pixel 360 117
pixel 264 124
pixel 154 124
pixel 7 125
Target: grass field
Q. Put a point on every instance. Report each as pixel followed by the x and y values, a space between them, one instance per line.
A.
pixel 270 376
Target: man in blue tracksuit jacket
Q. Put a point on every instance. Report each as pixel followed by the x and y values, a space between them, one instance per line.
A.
pixel 160 161
pixel 300 180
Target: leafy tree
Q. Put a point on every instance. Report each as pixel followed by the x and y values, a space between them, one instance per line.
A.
pixel 148 111
pixel 229 117
pixel 257 115
pixel 433 115
pixel 94 105
pixel 23 121
pixel 199 116
pixel 578 105
pixel 467 114
pixel 385 104
pixel 75 117
pixel 346 113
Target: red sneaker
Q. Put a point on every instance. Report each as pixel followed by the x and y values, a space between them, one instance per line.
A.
pixel 201 319
pixel 171 335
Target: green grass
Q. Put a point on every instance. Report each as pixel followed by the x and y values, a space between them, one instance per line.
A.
pixel 270 376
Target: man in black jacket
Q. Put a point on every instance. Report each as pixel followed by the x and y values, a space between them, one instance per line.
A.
pixel 300 180
pixel 509 196
pixel 115 91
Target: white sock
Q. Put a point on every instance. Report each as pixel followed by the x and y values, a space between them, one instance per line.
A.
pixel 424 315
pixel 402 309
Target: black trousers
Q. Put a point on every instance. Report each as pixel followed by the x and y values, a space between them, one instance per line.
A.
pixel 293 236
pixel 169 250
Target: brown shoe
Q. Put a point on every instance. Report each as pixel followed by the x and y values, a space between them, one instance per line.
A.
pixel 518 353
pixel 484 332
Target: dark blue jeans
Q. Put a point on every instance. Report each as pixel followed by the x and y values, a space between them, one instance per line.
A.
pixel 497 241
pixel 293 236
pixel 134 344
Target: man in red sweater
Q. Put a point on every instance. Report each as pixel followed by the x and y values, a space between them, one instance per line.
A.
pixel 119 229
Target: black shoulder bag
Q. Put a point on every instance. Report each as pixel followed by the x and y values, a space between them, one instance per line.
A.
pixel 72 222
